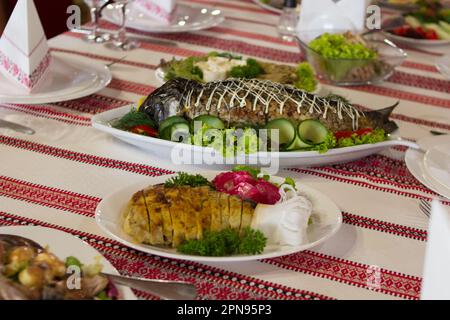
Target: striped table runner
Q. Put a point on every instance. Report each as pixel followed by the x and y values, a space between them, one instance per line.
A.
pixel 57 177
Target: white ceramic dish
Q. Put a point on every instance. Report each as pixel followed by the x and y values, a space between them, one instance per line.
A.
pixel 160 75
pixel 443 65
pixel 414 42
pixel 170 150
pixel 416 165
pixel 437 166
pixel 326 216
pixel 185 19
pixel 69 77
pixel 64 245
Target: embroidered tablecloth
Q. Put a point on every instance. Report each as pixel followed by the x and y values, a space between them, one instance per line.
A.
pixel 57 177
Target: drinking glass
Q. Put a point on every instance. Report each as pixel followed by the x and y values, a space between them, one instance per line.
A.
pixel 120 40
pixel 95 9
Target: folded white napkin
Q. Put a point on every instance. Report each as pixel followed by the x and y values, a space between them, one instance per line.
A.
pixel 436 274
pixel 319 16
pixel 159 10
pixel 24 53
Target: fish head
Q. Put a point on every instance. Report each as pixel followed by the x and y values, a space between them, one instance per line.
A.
pixel 167 100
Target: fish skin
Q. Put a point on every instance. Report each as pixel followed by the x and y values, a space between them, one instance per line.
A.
pixel 190 98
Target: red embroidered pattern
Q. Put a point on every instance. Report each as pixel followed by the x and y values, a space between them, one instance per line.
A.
pixel 29 81
pixel 352 273
pixel 213 283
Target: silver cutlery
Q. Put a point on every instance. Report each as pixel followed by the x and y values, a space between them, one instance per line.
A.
pixel 167 290
pixel 16 127
pixel 425 207
pixel 437 133
pixel 116 61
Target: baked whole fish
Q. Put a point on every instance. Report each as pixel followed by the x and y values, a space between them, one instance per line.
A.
pixel 254 102
pixel 164 216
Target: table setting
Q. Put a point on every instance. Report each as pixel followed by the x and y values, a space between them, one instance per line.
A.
pixel 205 150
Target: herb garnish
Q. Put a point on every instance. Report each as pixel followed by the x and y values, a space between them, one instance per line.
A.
pixel 251 70
pixel 185 179
pixel 254 172
pixel 132 119
pixel 225 243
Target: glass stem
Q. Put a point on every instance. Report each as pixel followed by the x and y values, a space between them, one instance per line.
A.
pixel 122 33
pixel 95 18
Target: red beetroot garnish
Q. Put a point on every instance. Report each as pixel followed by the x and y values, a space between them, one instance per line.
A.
pixel 245 186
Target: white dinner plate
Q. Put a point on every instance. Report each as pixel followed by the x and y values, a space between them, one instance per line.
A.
pixel 160 75
pixel 69 77
pixel 415 163
pixel 169 150
pixel 268 6
pixel 185 19
pixel 437 165
pixel 414 42
pixel 327 219
pixel 65 245
pixel 443 65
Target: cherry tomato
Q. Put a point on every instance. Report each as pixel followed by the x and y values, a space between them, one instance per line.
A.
pixel 431 35
pixel 145 130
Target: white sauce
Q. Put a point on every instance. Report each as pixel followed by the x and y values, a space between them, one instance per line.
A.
pixel 216 68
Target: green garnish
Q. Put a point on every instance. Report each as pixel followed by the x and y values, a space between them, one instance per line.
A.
pixel 251 70
pixel 306 78
pixel 329 143
pixel 337 46
pixel 103 296
pixel 132 119
pixel 254 172
pixel 377 135
pixel 289 181
pixel 185 179
pixel 227 55
pixel 185 69
pixel 226 243
pixel 336 97
pixel 72 261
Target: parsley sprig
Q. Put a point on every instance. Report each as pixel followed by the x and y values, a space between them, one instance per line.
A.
pixel 185 179
pixel 226 243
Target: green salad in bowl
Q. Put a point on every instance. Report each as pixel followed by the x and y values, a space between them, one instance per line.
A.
pixel 350 59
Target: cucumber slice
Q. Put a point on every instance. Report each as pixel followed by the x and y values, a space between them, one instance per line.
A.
pixel 297 144
pixel 312 132
pixel 286 131
pixel 170 122
pixel 211 121
pixel 177 132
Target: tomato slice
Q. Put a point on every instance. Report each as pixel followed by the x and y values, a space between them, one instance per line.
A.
pixel 343 134
pixel 145 130
pixel 362 132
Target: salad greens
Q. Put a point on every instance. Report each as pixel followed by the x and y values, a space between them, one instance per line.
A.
pixel 226 243
pixel 185 179
pixel 185 69
pixel 306 78
pixel 251 70
pixel 377 135
pixel 338 46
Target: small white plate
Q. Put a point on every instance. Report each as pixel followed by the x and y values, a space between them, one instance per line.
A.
pixel 415 163
pixel 185 19
pixel 64 245
pixel 68 78
pixel 415 42
pixel 443 65
pixel 437 166
pixel 166 149
pixel 160 76
pixel 267 6
pixel 326 216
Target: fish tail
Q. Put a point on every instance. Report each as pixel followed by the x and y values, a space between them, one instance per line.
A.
pixel 381 118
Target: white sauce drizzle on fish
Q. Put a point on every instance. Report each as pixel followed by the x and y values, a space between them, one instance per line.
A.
pixel 264 92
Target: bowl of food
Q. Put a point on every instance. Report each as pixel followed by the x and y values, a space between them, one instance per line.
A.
pixel 350 59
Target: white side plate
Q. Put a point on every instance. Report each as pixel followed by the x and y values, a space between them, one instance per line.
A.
pixel 166 149
pixel 327 219
pixel 64 245
pixel 69 77
pixel 185 19
pixel 414 42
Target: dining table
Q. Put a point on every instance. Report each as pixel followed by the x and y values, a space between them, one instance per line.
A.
pixel 57 177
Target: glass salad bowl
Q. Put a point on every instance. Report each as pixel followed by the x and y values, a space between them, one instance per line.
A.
pixel 354 72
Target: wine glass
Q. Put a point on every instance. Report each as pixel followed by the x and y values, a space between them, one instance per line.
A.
pixel 121 40
pixel 95 8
